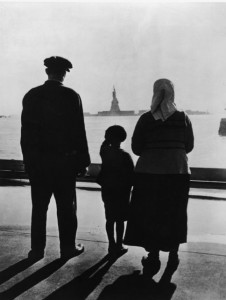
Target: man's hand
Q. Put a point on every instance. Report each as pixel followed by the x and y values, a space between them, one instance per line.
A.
pixel 82 173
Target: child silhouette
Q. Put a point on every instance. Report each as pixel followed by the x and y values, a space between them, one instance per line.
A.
pixel 116 179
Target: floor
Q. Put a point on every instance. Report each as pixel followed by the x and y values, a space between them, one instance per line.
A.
pixel 93 275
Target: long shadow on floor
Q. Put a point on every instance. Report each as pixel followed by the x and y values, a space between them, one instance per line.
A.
pixel 80 287
pixel 136 287
pixel 32 280
pixel 15 269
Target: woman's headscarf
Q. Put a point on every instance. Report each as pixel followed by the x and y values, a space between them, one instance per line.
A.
pixel 163 106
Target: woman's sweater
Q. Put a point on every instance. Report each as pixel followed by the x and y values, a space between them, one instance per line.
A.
pixel 162 147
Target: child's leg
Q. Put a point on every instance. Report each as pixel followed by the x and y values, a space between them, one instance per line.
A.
pixel 110 233
pixel 119 232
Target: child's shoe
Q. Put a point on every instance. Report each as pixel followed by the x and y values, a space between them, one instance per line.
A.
pixel 112 249
pixel 151 266
pixel 121 249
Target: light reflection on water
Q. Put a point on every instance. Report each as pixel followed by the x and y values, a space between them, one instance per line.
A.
pixel 209 150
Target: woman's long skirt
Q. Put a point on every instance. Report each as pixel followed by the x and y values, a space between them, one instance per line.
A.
pixel 158 211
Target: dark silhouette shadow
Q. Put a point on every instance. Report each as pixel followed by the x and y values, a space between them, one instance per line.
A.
pixel 15 269
pixel 137 287
pixel 32 280
pixel 80 287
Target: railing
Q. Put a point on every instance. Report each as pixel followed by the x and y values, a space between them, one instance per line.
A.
pixel 12 172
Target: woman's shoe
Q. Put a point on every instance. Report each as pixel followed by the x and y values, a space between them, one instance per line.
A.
pixel 170 269
pixel 172 264
pixel 151 266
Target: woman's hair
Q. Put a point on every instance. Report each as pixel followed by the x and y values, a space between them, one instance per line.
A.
pixel 115 133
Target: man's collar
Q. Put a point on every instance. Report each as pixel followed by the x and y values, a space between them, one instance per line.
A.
pixel 53 81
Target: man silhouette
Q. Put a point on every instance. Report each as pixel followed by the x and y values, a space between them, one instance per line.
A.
pixel 55 150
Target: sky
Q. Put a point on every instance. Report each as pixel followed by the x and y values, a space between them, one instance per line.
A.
pixel 128 45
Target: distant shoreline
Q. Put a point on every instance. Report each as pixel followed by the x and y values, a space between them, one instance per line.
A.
pixel 196 112
pixel 140 112
pixel 122 113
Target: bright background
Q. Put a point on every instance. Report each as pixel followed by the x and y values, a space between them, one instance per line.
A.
pixel 128 45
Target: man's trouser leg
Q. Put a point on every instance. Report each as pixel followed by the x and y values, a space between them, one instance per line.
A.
pixel 41 195
pixel 65 196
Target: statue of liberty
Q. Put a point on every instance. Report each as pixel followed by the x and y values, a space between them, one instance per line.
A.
pixel 114 103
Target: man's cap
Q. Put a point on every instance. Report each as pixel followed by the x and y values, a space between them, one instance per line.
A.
pixel 58 63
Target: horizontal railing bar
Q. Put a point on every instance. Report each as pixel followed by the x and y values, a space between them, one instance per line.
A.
pixel 200 177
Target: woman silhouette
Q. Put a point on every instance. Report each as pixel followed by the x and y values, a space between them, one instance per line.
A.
pixel 158 217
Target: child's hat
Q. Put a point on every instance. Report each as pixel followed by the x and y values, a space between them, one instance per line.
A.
pixel 115 132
